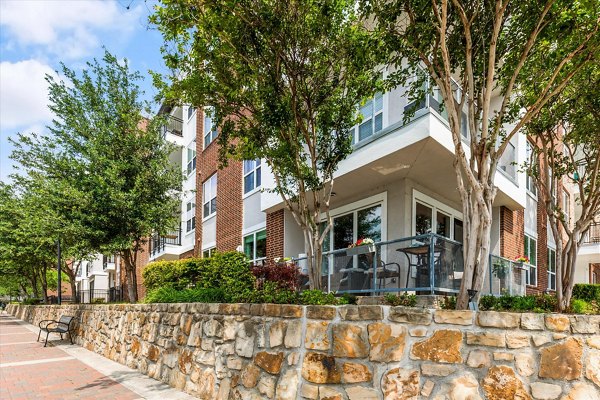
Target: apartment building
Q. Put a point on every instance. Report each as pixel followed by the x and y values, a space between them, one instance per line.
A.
pixel 98 279
pixel 397 187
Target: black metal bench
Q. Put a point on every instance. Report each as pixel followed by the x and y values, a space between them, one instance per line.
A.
pixel 63 325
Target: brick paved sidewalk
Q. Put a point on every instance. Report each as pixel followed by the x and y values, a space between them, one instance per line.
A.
pixel 28 370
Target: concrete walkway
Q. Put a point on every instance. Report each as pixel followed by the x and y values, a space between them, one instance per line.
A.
pixel 28 370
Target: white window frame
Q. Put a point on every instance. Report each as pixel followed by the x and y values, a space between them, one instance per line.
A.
pixel 550 271
pixel 191 115
pixel 190 215
pixel 256 170
pixel 566 205
pixel 254 259
pixel 530 185
pixel 190 164
pixel 435 206
pixel 210 251
pixel 371 118
pixel 208 196
pixel 532 260
pixel 209 136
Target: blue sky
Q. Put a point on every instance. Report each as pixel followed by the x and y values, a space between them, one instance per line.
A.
pixel 36 35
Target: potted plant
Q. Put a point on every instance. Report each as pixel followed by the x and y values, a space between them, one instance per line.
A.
pixel 362 246
pixel 520 260
pixel 500 269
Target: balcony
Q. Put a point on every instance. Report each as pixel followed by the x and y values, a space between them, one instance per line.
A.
pixel 593 234
pixel 424 264
pixel 108 263
pixel 160 244
pixel 174 126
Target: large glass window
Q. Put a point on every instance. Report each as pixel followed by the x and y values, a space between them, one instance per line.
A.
pixel 209 196
pixel 551 269
pixel 360 224
pixel 207 253
pixel 423 219
pixel 251 175
pixel 458 230
pixel 372 117
pixel 255 246
pixel 191 157
pixel 190 111
pixel 529 181
pixel 429 216
pixel 531 253
pixel 210 130
pixel 190 209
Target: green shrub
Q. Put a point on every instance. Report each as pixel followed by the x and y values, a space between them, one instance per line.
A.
pixel 535 303
pixel 231 272
pixel 448 303
pixel 404 299
pixel 270 292
pixel 320 298
pixel 98 300
pixel 179 274
pixel 169 294
pixel 587 292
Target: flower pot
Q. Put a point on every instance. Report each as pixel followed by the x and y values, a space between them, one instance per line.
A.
pixel 519 264
pixel 364 249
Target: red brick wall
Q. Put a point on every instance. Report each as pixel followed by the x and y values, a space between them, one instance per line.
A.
pixel 512 228
pixel 229 193
pixel 275 234
pixel 187 254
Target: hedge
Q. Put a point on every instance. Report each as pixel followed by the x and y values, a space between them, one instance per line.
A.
pixel 587 292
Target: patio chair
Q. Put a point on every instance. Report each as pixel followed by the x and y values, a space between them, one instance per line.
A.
pixel 63 325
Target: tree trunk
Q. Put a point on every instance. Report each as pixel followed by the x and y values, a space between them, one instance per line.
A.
pixel 44 280
pixel 130 276
pixel 314 254
pixel 569 259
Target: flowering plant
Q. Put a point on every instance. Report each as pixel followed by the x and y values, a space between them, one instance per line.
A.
pixel 282 259
pixel 362 242
pixel 522 259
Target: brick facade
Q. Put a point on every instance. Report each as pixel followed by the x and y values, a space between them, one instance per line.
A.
pixel 229 193
pixel 512 234
pixel 275 234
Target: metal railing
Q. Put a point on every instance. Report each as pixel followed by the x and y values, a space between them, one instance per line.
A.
pixel 110 295
pixel 593 234
pixel 158 242
pixel 173 126
pixel 505 277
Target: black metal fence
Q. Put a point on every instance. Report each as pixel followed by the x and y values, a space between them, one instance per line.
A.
pixel 111 295
pixel 593 234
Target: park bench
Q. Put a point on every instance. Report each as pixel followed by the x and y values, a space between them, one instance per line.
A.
pixel 63 325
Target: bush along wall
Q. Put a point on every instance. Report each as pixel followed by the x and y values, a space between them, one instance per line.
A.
pixel 270 351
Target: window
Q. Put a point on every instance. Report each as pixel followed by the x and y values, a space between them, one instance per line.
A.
pixel 553 185
pixel 566 206
pixel 531 253
pixel 190 216
pixel 210 131
pixel 191 157
pixel 348 228
pixel 529 181
pixel 372 118
pixel 255 246
pixel 431 216
pixel 251 175
pixel 551 269
pixel 209 196
pixel 190 111
pixel 207 253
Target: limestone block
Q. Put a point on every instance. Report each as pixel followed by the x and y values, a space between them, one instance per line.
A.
pixel 213 328
pixel 244 341
pixel 592 366
pixel 443 346
pixel 291 311
pixel 419 331
pixel 464 387
pixel 287 385
pixel 387 341
pixel 501 383
pixel 491 339
pixel 317 336
pixel 503 356
pixel 350 340
pixel 266 386
pixel 354 373
pixel 495 319
pixel 250 375
pixel 585 323
pixel 525 364
pixel 582 391
pixel 360 313
pixel 328 393
pixel 361 393
pixel 540 340
pixel 308 391
pixel 293 358
pixel 516 340
pixel 562 361
pixel 277 333
pixel 320 312
pixel 410 315
pixel 455 317
pixel 594 342
pixel 430 369
pixel 557 322
pixel 479 359
pixel 320 368
pixel 545 391
pixel 230 327
pixel 270 362
pixel 400 384
pixel 532 321
pixel 293 335
pixel 427 388
pixel 234 362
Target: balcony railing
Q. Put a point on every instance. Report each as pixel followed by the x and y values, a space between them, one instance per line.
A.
pixel 424 264
pixel 158 242
pixel 173 126
pixel 593 234
pixel 111 295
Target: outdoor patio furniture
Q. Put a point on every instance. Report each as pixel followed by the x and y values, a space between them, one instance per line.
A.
pixel 63 325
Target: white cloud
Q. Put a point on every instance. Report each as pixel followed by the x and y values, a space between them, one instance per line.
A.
pixel 65 28
pixel 24 94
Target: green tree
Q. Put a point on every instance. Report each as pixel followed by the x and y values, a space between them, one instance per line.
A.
pixel 105 166
pixel 565 137
pixel 285 79
pixel 479 54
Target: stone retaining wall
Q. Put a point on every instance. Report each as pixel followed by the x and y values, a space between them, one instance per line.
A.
pixel 243 351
